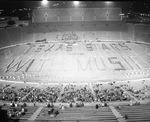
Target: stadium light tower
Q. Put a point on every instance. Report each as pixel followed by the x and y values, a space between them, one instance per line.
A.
pixel 44 2
pixel 76 3
pixel 108 3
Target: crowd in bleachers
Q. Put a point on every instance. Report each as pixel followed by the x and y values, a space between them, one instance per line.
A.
pixel 10 93
pixel 140 93
pixel 72 93
pixel 70 36
pixel 43 95
pixel 112 94
pixel 16 112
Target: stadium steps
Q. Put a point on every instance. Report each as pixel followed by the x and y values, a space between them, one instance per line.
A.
pixel 23 118
pixel 137 113
pixel 18 120
pixel 117 114
pixel 81 114
pixel 33 117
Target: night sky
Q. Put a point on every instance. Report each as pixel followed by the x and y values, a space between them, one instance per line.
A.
pixel 138 6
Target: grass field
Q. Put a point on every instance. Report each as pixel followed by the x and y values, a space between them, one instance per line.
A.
pixel 80 62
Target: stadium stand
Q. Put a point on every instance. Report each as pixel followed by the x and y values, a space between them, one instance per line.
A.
pixel 39 15
pixel 72 93
pixel 15 35
pixel 43 95
pixel 141 32
pixel 114 14
pixel 52 15
pixel 135 113
pixel 64 15
pixel 108 92
pixel 19 113
pixel 128 34
pixel 5 39
pixel 88 14
pixel 101 14
pixel 26 36
pixel 19 35
pixel 76 14
pixel 79 114
pixel 78 26
pixel 140 91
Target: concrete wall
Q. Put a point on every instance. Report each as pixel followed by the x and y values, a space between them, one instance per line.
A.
pixel 76 14
pixel 86 31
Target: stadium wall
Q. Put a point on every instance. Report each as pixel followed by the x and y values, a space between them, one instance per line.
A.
pixel 92 31
pixel 76 14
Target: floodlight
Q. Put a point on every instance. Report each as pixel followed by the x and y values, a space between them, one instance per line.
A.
pixel 108 2
pixel 44 2
pixel 76 3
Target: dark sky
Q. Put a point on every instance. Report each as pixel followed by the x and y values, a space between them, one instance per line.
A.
pixel 141 6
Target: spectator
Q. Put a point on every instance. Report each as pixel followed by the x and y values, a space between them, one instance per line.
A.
pixel 16 105
pixel 12 104
pixel 62 107
pixel 70 105
pixel 96 106
pixel 131 103
pixel 34 104
pixel 118 107
pixel 23 111
pixel 56 112
pixel 51 111
pixel 126 117
pixel 24 104
pixel 105 104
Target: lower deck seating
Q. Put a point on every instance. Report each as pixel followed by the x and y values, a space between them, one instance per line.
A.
pixel 136 113
pixel 82 114
pixel 22 118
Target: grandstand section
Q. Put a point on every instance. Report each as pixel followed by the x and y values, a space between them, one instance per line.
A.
pixel 88 14
pixel 39 15
pixel 80 114
pixel 137 113
pixel 101 14
pixel 102 30
pixel 5 39
pixel 76 14
pixel 114 14
pixel 141 32
pixel 64 15
pixel 78 26
pixel 128 35
pixel 52 15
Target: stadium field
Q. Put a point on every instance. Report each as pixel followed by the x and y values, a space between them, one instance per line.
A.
pixel 78 62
